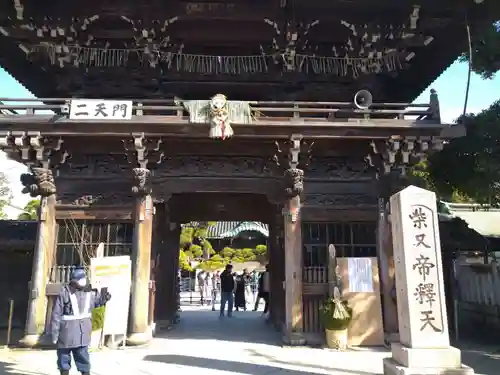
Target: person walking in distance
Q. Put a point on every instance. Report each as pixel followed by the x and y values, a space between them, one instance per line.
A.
pixel 247 278
pixel 215 288
pixel 227 286
pixel 201 286
pixel 264 288
pixel 255 285
pixel 71 322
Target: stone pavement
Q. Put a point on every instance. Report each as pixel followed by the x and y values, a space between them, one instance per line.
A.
pixel 206 345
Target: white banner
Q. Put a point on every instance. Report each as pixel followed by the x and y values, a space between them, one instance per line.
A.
pixel 114 273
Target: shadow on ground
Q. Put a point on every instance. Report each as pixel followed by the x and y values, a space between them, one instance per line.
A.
pixel 7 368
pixel 485 360
pixel 241 367
pixel 16 335
pixel 244 326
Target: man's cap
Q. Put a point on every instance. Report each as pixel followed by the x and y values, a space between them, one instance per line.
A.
pixel 78 274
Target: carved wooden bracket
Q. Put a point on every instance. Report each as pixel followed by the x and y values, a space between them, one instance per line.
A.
pixel 141 182
pixel 293 152
pixel 141 151
pixel 39 182
pixel 289 155
pixel 33 149
pixel 398 153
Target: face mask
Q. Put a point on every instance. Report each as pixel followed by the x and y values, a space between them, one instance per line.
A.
pixel 82 282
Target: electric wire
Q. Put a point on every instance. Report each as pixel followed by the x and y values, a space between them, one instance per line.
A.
pixel 469 72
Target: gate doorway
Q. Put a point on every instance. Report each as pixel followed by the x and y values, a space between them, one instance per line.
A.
pixel 174 222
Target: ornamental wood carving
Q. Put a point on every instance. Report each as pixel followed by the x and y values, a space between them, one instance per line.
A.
pixel 334 201
pixel 39 182
pixel 216 166
pixel 338 168
pixel 106 198
pixel 96 166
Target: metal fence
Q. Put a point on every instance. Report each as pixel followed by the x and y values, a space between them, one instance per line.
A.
pixel 193 294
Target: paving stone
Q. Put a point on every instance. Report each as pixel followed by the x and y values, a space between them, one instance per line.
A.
pixel 206 345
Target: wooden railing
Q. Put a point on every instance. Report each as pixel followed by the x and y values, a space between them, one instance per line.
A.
pixel 268 110
pixel 60 274
pixel 315 291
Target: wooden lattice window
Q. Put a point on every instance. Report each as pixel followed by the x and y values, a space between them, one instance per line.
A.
pixel 351 239
pixel 81 237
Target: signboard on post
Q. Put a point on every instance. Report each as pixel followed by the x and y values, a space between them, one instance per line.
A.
pixel 102 110
pixel 114 273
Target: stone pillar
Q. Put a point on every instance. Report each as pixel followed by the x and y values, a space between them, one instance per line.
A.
pixel 293 334
pixel 424 346
pixel 40 182
pixel 140 332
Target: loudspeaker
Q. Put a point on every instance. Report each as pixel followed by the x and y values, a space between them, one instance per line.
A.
pixel 363 99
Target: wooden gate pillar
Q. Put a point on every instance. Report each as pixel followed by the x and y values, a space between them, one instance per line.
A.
pixel 276 265
pixel 385 256
pixel 293 334
pixel 158 244
pixel 40 183
pixel 389 183
pixel 140 332
pixel 167 294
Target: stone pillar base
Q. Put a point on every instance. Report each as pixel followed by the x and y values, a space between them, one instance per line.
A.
pixel 435 361
pixel 139 338
pixel 30 341
pixel 389 338
pixel 391 367
pixel 294 339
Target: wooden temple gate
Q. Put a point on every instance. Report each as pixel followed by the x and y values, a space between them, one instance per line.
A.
pixel 298 166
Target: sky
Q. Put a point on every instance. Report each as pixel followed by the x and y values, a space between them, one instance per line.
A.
pixel 450 87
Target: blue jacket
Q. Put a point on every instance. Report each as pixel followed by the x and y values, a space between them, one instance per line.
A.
pixel 72 330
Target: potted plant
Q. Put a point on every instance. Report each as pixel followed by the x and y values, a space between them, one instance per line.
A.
pixel 98 315
pixel 336 316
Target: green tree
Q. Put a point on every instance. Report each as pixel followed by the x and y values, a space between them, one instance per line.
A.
pixel 196 251
pixel 30 210
pixel 260 250
pixel 228 252
pixel 468 168
pixel 216 262
pixel 485 51
pixel 184 261
pixel 195 233
pixel 247 254
pixel 5 195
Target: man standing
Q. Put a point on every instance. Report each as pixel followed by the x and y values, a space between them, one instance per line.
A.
pixel 264 288
pixel 227 287
pixel 71 322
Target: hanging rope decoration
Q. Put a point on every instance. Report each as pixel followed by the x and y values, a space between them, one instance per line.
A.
pixel 207 64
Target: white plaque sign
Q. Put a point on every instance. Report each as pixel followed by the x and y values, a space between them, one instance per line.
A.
pixel 360 275
pixel 418 267
pixel 102 110
pixel 114 273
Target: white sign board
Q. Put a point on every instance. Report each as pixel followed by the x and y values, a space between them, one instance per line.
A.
pixel 419 274
pixel 360 275
pixel 114 273
pixel 102 110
